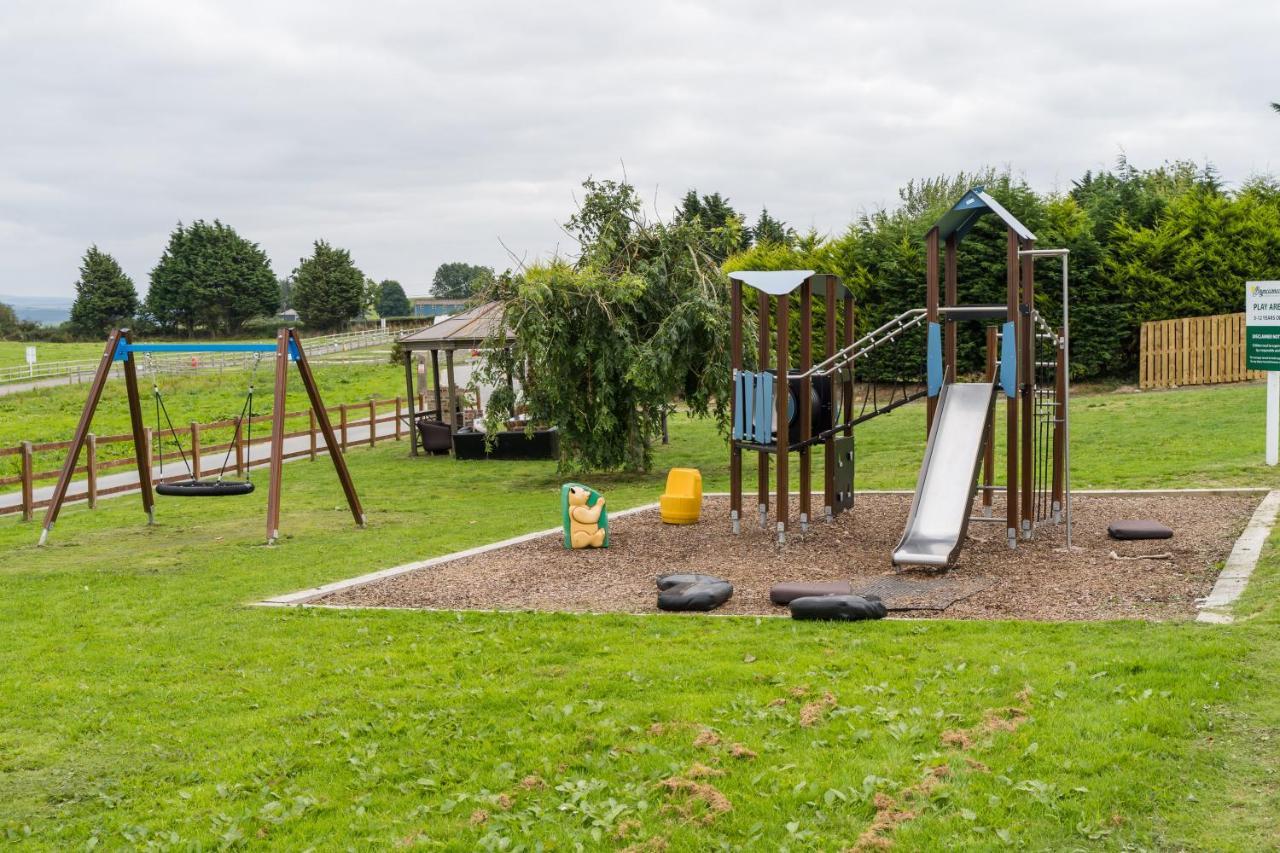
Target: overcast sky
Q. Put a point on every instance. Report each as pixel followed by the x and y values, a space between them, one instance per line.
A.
pixel 417 133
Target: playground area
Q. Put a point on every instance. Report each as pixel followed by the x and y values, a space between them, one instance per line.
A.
pixel 1039 580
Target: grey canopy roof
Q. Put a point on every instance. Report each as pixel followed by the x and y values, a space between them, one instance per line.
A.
pixel 772 282
pixel 468 330
pixel 779 282
pixel 969 209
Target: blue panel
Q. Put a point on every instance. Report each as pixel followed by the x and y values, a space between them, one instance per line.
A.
pixel 1009 360
pixel 123 350
pixel 749 384
pixel 934 359
pixel 764 409
pixel 737 405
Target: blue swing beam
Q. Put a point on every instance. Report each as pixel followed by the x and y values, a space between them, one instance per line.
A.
pixel 123 350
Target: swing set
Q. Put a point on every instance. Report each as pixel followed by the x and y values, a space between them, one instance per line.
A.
pixel 121 348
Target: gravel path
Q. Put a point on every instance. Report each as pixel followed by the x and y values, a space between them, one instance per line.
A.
pixel 1039 580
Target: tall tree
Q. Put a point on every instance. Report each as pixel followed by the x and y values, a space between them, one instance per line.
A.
pixel 211 278
pixel 639 321
pixel 772 231
pixel 328 289
pixel 105 296
pixel 391 300
pixel 8 320
pixel 716 215
pixel 458 280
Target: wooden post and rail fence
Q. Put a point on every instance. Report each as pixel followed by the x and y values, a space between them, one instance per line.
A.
pixel 1193 351
pixel 371 413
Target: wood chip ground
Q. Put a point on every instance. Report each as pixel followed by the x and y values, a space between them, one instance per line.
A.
pixel 1040 580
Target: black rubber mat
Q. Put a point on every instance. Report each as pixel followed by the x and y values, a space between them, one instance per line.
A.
pixel 904 592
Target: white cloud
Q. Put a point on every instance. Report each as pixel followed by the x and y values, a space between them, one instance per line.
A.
pixel 415 134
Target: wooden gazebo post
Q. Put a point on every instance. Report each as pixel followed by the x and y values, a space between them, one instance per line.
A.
pixel 413 399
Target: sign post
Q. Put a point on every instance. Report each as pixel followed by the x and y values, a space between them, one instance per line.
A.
pixel 31 361
pixel 1262 351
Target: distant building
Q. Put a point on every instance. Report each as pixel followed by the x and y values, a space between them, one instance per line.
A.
pixel 427 306
pixel 288 315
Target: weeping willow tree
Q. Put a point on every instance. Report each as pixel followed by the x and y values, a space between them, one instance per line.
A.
pixel 606 345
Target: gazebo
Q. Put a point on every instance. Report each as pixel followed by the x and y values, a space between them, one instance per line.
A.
pixel 470 330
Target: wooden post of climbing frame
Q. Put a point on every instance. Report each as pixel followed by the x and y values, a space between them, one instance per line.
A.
pixel 949 299
pixel 989 437
pixel 1028 390
pixel 847 339
pixel 735 356
pixel 828 446
pixel 931 312
pixel 805 408
pixel 762 458
pixel 1011 412
pixel 782 440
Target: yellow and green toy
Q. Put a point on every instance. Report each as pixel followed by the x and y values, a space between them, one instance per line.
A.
pixel 586 523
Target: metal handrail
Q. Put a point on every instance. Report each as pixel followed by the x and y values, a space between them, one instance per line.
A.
pixel 886 333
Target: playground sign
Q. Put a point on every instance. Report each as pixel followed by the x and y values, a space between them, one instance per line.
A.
pixel 1262 325
pixel 1262 351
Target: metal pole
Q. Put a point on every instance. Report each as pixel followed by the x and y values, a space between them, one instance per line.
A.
pixel 1066 400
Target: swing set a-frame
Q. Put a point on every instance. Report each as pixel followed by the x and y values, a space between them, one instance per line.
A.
pixel 120 347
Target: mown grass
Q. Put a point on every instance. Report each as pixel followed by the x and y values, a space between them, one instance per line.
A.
pixel 143 704
pixel 14 353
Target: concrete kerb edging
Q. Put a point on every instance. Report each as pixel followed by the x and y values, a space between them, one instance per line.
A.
pixel 1241 562
pixel 1231 582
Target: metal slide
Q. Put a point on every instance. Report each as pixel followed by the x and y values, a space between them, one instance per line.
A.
pixel 944 493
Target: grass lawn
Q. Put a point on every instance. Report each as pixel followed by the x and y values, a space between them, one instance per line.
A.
pixel 142 704
pixel 14 353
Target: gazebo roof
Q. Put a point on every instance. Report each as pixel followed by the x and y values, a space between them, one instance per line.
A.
pixel 468 330
pixel 971 206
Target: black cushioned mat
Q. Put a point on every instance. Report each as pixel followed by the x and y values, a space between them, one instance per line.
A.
pixel 1139 529
pixel 785 593
pixel 841 608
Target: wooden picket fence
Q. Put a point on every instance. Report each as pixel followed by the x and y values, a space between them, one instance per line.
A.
pixel 1193 351
pixel 368 413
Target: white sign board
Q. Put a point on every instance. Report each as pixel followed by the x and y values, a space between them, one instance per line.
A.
pixel 31 355
pixel 1262 351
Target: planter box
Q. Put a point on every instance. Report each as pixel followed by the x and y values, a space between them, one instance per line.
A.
pixel 542 444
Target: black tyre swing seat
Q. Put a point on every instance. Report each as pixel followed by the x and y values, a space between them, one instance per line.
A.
pixel 204 488
pixel 193 487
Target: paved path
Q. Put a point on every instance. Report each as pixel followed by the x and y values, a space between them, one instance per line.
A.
pixel 256 456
